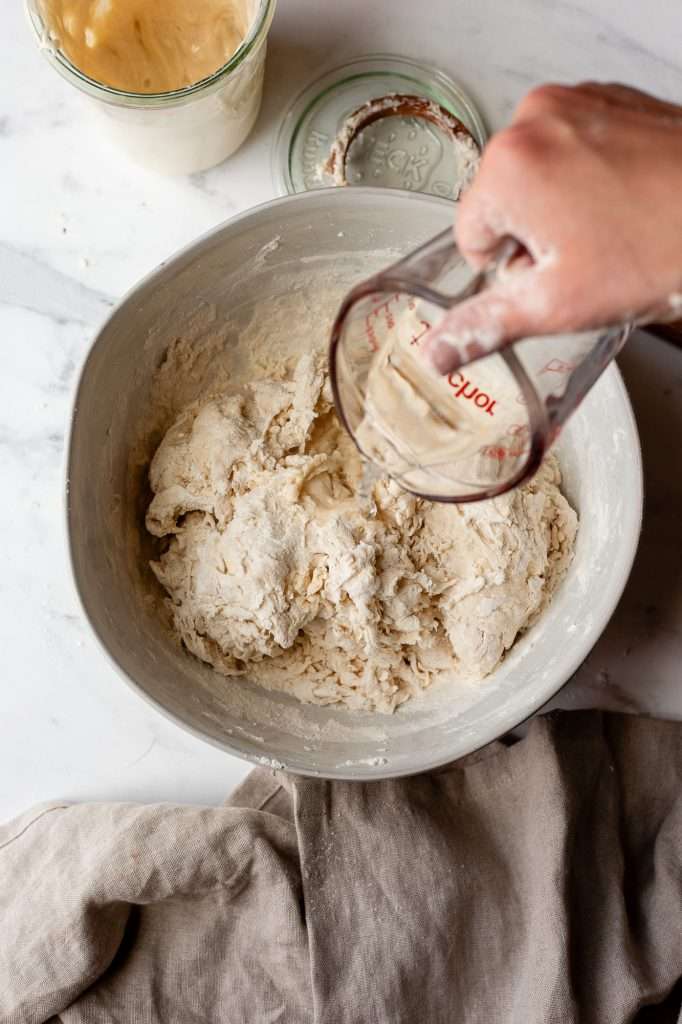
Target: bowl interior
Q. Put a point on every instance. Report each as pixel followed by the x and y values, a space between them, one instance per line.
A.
pixel 208 298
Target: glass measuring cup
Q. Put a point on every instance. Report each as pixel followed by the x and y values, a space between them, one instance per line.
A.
pixel 477 432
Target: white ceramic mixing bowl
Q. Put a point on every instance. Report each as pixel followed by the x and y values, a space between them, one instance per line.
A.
pixel 285 246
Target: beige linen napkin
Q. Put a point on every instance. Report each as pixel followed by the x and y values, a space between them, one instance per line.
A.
pixel 540 882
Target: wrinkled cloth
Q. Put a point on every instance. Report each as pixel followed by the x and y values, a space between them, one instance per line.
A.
pixel 538 882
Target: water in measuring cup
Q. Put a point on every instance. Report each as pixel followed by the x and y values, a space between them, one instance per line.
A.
pixel 435 435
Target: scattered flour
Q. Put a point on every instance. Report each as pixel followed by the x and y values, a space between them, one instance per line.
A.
pixel 277 570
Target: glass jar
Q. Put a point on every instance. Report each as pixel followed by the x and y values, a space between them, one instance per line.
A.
pixel 406 152
pixel 185 130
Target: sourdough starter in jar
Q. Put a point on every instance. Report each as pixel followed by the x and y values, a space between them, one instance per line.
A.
pixel 179 83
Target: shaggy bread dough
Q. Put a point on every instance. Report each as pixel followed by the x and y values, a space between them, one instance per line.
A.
pixel 277 569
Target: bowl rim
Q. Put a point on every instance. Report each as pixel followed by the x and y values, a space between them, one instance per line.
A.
pixel 358 772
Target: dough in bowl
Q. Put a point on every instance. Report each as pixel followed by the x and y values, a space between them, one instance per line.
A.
pixel 277 569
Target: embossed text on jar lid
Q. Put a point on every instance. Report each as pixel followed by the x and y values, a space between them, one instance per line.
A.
pixel 406 152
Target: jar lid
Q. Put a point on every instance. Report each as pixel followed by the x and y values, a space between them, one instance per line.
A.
pixel 408 151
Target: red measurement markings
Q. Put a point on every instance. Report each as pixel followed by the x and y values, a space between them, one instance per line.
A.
pixel 558 366
pixel 518 444
pixel 383 310
pixel 416 338
pixel 464 388
pixel 500 452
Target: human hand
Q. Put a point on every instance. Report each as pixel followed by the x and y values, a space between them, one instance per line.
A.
pixel 588 181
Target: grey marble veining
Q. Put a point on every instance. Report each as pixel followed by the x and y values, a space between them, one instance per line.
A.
pixel 79 224
pixel 637 664
pixel 26 282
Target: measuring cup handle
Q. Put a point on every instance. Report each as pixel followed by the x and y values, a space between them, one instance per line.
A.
pixel 425 264
pixel 506 252
pixel 508 249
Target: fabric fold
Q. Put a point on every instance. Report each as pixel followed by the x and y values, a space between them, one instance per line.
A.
pixel 538 882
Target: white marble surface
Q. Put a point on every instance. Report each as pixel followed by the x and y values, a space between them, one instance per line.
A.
pixel 79 224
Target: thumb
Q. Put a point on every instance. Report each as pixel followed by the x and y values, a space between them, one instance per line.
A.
pixel 475 328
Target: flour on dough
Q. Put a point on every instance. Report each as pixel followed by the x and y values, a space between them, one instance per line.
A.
pixel 276 569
